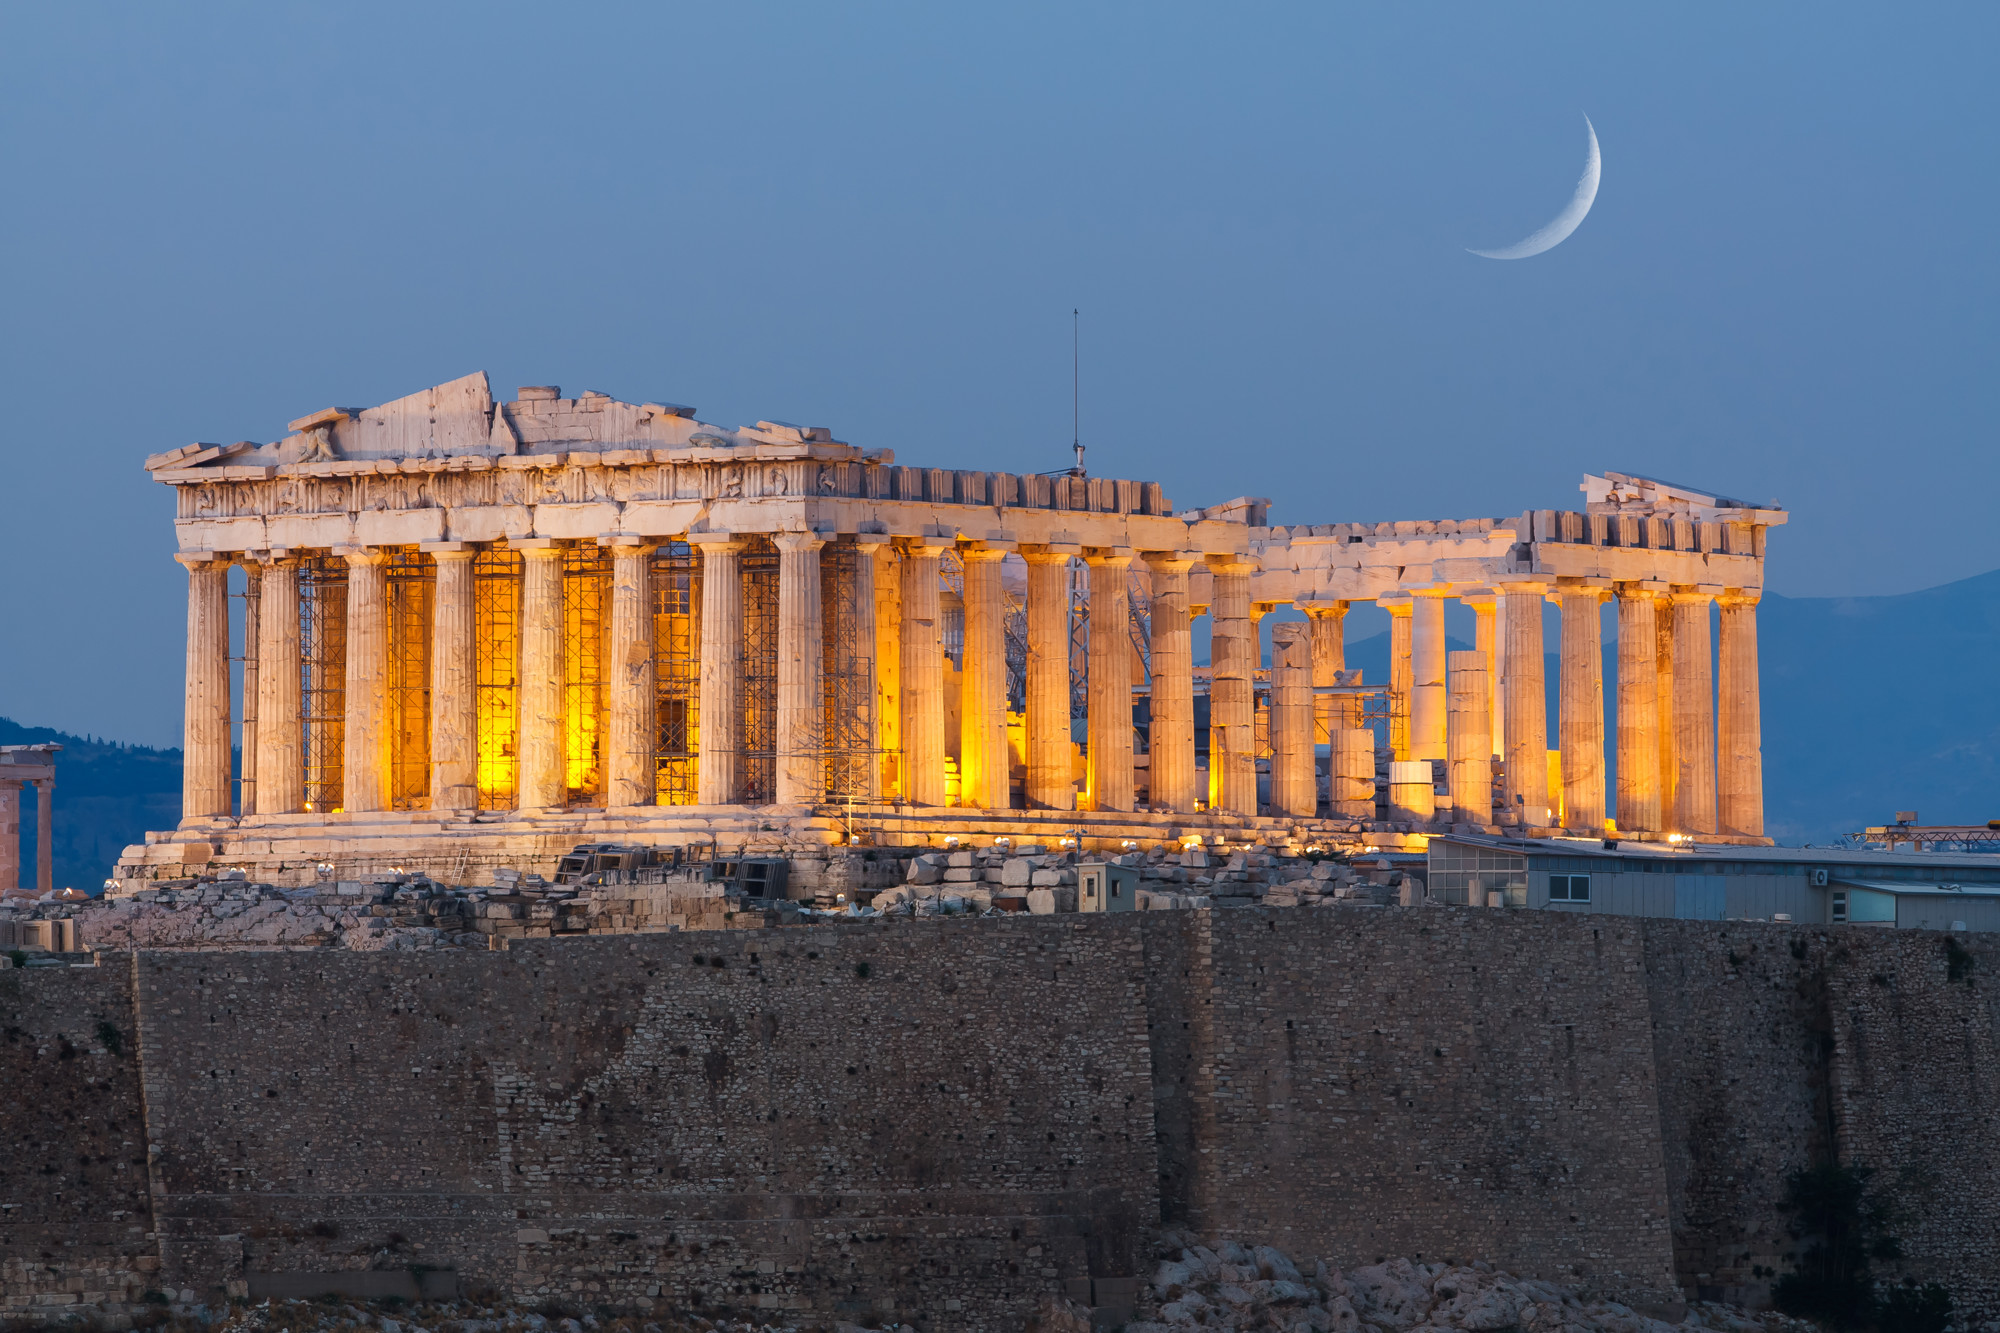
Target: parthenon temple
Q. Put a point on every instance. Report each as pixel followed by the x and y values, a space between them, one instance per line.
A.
pixel 449 632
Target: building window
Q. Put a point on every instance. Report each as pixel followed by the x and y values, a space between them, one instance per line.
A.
pixel 1839 908
pixel 1569 888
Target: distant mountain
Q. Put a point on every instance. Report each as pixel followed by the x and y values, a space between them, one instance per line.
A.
pixel 107 796
pixel 1871 705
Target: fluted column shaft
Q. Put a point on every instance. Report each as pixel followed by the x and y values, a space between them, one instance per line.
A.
pixel 1232 722
pixel 253 601
pixel 543 784
pixel 1581 719
pixel 923 678
pixel 10 835
pixel 205 723
pixel 982 736
pixel 45 835
pixel 1294 793
pixel 1171 775
pixel 281 774
pixel 1663 676
pixel 1051 779
pixel 867 767
pixel 1694 716
pixel 365 732
pixel 631 708
pixel 454 681
pixel 1740 767
pixel 1400 678
pixel 1526 786
pixel 1427 683
pixel 721 668
pixel 1331 713
pixel 1108 765
pixel 1638 715
pixel 1486 642
pixel 1469 736
pixel 888 563
pixel 801 671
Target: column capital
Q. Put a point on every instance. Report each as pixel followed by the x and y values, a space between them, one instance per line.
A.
pixel 624 542
pixel 1318 608
pixel 984 553
pixel 445 548
pixel 1119 557
pixel 1172 562
pixel 1524 587
pixel 1396 603
pixel 722 543
pixel 1634 589
pixel 196 559
pixel 1049 553
pixel 794 542
pixel 1585 592
pixel 359 557
pixel 1698 595
pixel 870 542
pixel 530 545
pixel 1232 564
pixel 1740 597
pixel 1438 590
pixel 926 545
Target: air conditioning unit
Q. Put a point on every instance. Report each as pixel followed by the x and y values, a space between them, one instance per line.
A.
pixel 1819 878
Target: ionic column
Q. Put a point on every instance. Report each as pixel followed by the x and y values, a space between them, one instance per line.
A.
pixel 1663 676
pixel 801 671
pixel 1051 780
pixel 1694 715
pixel 1740 770
pixel 982 732
pixel 1581 715
pixel 1232 734
pixel 1468 736
pixel 1108 765
pixel 45 835
pixel 1400 673
pixel 205 723
pixel 364 756
pixel 1331 713
pixel 1171 772
pixel 454 681
pixel 1294 793
pixel 1638 713
pixel 888 572
pixel 1486 642
pixel 1427 684
pixel 281 774
pixel 1526 784
pixel 253 595
pixel 923 676
pixel 542 784
pixel 631 706
pixel 721 666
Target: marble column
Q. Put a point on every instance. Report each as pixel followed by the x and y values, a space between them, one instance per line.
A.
pixel 1694 715
pixel 281 773
pixel 982 732
pixel 1331 713
pixel 1233 653
pixel 1351 764
pixel 801 671
pixel 719 704
pixel 1108 763
pixel 631 703
pixel 10 835
pixel 45 835
pixel 1663 692
pixel 1638 808
pixel 1486 642
pixel 1171 772
pixel 1526 786
pixel 888 571
pixel 454 680
pixel 1739 742
pixel 1427 683
pixel 923 676
pixel 1400 674
pixel 1580 718
pixel 365 733
pixel 1294 792
pixel 1469 736
pixel 205 743
pixel 1051 779
pixel 866 666
pixel 253 600
pixel 539 742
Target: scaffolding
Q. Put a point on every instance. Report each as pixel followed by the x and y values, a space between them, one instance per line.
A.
pixel 586 610
pixel 412 578
pixel 757 767
pixel 496 603
pixel 322 677
pixel 849 683
pixel 676 674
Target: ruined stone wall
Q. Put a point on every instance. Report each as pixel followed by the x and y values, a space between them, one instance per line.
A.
pixel 75 1209
pixel 1450 1083
pixel 1779 1046
pixel 948 1118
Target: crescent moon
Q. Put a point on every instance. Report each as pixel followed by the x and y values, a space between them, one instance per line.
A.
pixel 1567 221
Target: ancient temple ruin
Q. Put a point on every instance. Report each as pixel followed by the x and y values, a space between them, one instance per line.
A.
pixel 475 632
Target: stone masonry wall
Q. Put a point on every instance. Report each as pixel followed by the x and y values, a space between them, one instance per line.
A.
pixel 75 1208
pixel 1454 1084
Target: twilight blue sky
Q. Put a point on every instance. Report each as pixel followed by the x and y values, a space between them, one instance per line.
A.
pixel 878 218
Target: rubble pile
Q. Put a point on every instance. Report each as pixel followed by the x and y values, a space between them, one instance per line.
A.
pixel 1236 1287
